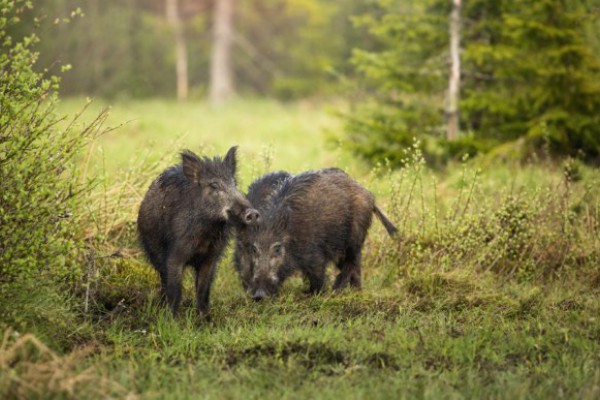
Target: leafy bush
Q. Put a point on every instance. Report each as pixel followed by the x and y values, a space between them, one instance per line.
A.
pixel 40 183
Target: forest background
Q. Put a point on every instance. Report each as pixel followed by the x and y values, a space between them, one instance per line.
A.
pixel 391 59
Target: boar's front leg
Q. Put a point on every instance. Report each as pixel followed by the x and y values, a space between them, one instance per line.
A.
pixel 205 273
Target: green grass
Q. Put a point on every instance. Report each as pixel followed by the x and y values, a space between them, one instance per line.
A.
pixel 492 289
pixel 504 341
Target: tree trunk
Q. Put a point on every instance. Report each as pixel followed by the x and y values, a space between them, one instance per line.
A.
pixel 94 47
pixel 452 113
pixel 221 80
pixel 181 68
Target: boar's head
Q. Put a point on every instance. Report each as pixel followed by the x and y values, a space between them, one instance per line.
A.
pixel 213 187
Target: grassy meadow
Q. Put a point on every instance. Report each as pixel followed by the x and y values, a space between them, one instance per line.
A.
pixel 491 289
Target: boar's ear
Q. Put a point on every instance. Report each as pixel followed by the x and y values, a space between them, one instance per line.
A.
pixel 230 160
pixel 191 165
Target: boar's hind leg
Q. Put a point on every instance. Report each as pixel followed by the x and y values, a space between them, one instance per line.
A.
pixel 156 253
pixel 350 272
pixel 205 269
pixel 355 275
pixel 174 275
pixel 162 271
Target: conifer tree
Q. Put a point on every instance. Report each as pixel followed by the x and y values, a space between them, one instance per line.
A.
pixel 528 71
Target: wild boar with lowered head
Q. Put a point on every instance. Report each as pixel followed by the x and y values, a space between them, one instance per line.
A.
pixel 314 218
pixel 260 194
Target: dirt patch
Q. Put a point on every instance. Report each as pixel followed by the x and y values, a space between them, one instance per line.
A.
pixel 310 355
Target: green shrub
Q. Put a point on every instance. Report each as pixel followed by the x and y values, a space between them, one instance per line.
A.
pixel 40 183
pixel 523 222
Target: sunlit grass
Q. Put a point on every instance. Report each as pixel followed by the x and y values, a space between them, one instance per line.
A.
pixel 269 134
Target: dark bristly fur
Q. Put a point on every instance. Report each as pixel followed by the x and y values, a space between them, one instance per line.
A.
pixel 260 194
pixel 314 218
pixel 184 219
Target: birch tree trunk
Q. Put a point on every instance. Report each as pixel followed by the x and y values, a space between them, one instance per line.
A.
pixel 452 113
pixel 221 80
pixel 181 68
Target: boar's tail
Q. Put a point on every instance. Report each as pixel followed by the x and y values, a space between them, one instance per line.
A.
pixel 389 227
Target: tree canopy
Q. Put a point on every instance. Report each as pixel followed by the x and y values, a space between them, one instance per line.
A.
pixel 529 72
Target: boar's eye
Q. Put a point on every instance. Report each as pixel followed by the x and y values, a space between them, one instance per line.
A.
pixel 277 249
pixel 254 250
pixel 214 185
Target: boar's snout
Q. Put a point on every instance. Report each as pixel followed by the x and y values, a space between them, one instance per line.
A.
pixel 259 294
pixel 251 216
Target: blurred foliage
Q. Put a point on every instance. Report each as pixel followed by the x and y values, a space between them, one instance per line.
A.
pixel 529 71
pixel 115 48
pixel 282 48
